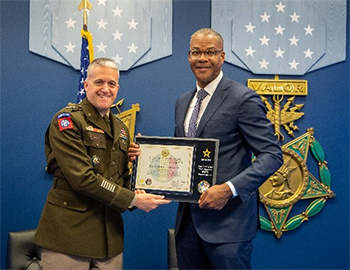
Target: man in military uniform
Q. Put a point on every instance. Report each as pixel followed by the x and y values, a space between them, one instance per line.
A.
pixel 86 147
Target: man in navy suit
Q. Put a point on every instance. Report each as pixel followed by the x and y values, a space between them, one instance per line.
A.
pixel 217 232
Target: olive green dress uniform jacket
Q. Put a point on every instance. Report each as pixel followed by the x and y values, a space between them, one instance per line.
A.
pixel 82 213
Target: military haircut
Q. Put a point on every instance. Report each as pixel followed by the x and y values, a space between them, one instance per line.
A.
pixel 103 62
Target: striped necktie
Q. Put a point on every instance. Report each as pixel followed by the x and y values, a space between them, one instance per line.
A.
pixel 192 127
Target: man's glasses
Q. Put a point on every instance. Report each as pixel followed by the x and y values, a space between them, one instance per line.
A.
pixel 209 54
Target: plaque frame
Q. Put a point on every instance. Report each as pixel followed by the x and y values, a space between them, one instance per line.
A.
pixel 203 165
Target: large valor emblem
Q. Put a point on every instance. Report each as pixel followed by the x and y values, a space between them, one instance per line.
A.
pixel 292 182
pixel 287 185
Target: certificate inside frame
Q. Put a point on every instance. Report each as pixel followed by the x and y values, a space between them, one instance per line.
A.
pixel 178 167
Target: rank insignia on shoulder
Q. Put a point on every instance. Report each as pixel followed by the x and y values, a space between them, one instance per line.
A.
pixel 73 106
pixel 64 121
pixel 123 134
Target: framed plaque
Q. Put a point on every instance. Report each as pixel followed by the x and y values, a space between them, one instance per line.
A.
pixel 179 168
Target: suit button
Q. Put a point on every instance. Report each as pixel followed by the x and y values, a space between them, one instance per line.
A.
pixel 65 203
pixel 112 164
pixel 97 144
pixel 113 148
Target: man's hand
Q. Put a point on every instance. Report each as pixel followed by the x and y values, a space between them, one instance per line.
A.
pixel 147 202
pixel 215 197
pixel 133 151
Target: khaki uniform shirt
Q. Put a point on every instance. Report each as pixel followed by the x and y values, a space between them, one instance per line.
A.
pixel 89 163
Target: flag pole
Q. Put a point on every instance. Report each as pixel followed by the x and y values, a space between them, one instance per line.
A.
pixel 84 5
pixel 87 50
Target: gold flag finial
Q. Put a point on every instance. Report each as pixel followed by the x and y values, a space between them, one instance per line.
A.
pixel 84 5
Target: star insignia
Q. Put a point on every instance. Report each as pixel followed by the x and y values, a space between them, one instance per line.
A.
pixel 207 153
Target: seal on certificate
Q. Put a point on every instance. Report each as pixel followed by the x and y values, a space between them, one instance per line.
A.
pixel 165 152
pixel 203 186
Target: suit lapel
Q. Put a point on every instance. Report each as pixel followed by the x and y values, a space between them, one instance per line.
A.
pixel 183 107
pixel 214 104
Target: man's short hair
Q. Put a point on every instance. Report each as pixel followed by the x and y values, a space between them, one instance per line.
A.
pixel 209 32
pixel 103 62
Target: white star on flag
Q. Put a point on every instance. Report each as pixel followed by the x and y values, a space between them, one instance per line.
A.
pixel 265 17
pixel 117 11
pixel 279 30
pixel 132 48
pixel 263 63
pixel 264 41
pixel 293 41
pixel 294 17
pixel 133 24
pixel 101 47
pixel 250 27
pixel 250 51
pixel 102 24
pixel 117 35
pixel 280 7
pixel 308 53
pixel 279 53
pixel 308 30
pixel 117 59
pixel 70 23
pixel 102 2
pixel 70 47
pixel 293 64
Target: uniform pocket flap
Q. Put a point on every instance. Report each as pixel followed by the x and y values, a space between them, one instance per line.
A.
pixel 68 200
pixel 95 139
pixel 123 145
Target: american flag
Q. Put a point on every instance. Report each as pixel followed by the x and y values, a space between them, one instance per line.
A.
pixel 87 55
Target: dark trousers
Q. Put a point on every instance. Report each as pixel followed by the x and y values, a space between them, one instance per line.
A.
pixel 195 253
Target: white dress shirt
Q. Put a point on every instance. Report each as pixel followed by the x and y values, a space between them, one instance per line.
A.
pixel 210 89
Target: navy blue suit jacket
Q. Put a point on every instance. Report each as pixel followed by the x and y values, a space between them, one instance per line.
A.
pixel 237 117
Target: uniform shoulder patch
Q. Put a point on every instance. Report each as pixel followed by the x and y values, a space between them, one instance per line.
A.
pixel 64 121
